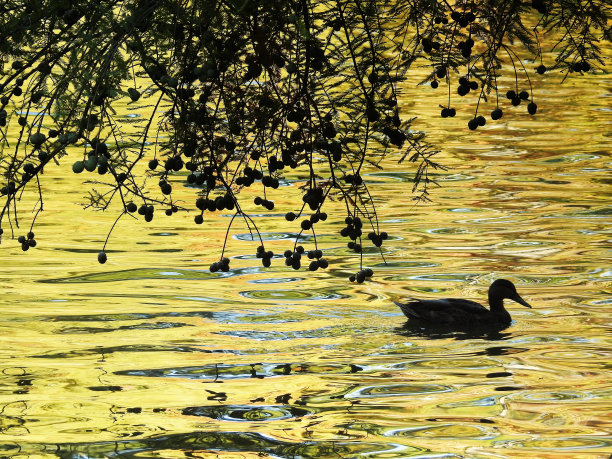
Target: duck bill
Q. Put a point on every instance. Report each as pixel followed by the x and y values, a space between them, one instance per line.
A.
pixel 519 300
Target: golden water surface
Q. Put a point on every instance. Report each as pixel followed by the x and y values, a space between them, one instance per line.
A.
pixel 151 355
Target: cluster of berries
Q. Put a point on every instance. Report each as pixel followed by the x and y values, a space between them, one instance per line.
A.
pixel 266 257
pixel 259 201
pixel 361 276
pixel 222 265
pixel 294 258
pixel 26 242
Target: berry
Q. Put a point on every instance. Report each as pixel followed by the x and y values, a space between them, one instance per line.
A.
pixel 352 278
pixel 532 108
pixel 434 84
pixel 541 69
pixel 37 138
pixel 496 114
pixel 78 167
pixel 290 216
pixel 30 235
pixel 198 219
pixel 153 164
pixel 166 188
pixel 21 239
pixel 524 95
pixel 481 120
pixel 473 124
pixel 102 257
pixel 510 95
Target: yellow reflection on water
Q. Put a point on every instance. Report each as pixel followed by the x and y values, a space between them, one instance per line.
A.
pixel 154 354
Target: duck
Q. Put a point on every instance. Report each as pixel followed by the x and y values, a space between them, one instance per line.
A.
pixel 461 312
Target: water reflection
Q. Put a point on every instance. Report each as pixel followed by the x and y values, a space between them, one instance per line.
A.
pixel 489 332
pixel 152 355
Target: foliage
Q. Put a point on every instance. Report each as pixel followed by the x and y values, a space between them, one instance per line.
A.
pixel 243 91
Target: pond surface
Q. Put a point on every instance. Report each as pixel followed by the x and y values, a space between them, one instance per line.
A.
pixel 151 355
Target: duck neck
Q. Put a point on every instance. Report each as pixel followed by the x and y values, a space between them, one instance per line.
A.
pixel 496 303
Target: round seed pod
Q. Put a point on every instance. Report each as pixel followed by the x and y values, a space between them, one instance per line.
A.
pixel 102 257
pixel 37 139
pixel 496 114
pixel 78 167
pixel 532 108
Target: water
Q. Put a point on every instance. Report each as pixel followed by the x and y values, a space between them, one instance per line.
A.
pixel 151 355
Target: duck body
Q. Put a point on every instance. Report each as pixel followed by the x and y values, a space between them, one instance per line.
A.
pixel 465 313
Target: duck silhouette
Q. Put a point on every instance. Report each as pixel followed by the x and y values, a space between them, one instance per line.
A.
pixel 464 313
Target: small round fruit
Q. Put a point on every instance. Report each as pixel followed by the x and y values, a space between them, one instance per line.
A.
pixel 532 108
pixel 198 219
pixel 78 167
pixel 37 139
pixel 102 257
pixel 473 124
pixel 496 114
pixel 481 120
pixel 541 69
pixel 131 207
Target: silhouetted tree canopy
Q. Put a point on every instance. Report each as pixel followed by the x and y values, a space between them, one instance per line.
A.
pixel 242 91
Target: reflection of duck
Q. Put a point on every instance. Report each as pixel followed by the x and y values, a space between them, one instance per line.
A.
pixel 460 312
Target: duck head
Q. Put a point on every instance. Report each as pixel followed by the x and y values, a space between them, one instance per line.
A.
pixel 503 288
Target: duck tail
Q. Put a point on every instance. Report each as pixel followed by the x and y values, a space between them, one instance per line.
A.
pixel 408 310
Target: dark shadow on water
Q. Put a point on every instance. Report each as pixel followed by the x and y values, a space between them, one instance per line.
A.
pixel 485 332
pixel 210 443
